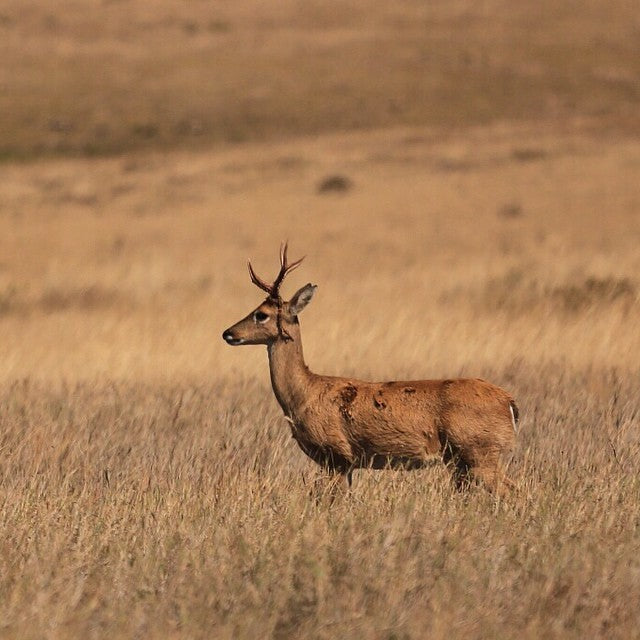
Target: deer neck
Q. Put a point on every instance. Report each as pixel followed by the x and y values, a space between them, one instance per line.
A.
pixel 290 376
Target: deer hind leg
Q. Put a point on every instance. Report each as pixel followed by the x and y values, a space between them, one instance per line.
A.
pixel 483 468
pixel 487 469
pixel 493 478
pixel 457 466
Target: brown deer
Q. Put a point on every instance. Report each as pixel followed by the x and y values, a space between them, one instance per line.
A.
pixel 344 424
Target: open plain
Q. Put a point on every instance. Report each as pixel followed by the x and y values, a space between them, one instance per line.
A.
pixel 465 185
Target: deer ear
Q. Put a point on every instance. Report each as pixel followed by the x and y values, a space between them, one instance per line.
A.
pixel 301 299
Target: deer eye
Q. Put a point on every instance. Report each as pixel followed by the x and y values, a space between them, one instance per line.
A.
pixel 260 316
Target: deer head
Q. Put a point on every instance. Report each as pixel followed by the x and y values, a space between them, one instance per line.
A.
pixel 268 322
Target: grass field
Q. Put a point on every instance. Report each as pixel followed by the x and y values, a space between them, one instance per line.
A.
pixel 149 486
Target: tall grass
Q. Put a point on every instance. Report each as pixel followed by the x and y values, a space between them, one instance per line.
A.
pixel 184 511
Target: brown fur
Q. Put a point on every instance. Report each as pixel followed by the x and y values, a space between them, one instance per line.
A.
pixel 345 424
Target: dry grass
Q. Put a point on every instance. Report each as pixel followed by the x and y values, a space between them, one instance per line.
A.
pixel 181 511
pixel 148 484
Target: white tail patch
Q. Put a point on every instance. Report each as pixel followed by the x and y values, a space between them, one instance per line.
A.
pixel 514 416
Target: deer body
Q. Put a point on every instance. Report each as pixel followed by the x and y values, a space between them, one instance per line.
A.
pixel 344 424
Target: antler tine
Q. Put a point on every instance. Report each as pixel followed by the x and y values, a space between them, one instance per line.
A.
pixel 294 265
pixel 285 268
pixel 283 253
pixel 274 289
pixel 259 282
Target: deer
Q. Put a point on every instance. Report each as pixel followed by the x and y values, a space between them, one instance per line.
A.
pixel 344 424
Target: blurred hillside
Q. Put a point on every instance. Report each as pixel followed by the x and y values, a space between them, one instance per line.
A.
pixel 108 76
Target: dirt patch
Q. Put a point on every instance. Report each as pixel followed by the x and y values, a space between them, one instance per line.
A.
pixel 335 184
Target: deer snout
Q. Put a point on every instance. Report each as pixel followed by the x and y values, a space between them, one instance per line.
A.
pixel 231 339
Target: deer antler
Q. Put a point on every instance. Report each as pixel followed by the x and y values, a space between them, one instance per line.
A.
pixel 285 269
pixel 259 282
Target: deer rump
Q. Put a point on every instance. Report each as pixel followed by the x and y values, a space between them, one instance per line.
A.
pixel 407 425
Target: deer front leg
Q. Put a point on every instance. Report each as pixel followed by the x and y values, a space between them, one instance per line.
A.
pixel 331 484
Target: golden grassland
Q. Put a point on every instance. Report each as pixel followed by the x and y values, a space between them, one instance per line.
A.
pixel 488 225
pixel 148 483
